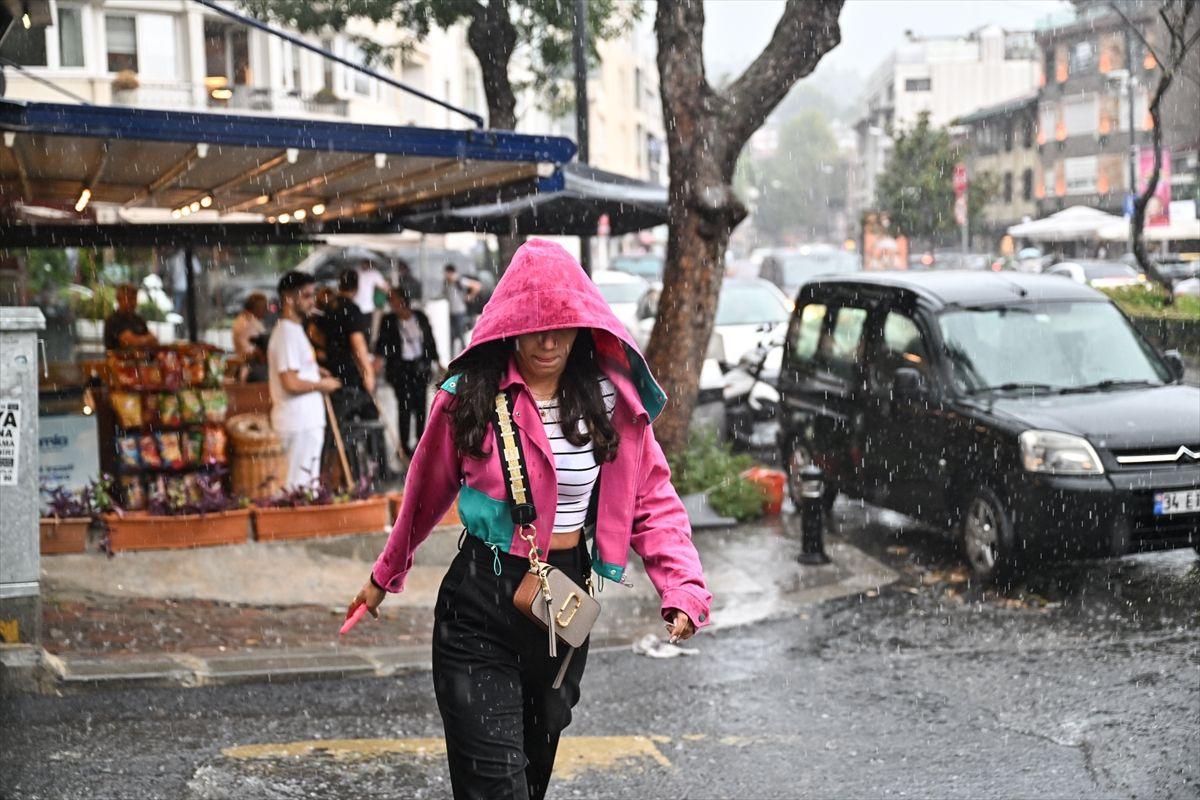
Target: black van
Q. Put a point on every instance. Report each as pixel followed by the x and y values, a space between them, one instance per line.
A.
pixel 1023 413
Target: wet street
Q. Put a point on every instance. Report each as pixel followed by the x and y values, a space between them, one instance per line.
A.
pixel 1082 681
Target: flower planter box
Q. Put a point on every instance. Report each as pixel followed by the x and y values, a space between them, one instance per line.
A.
pixel 139 531
pixel 450 518
pixel 64 535
pixel 301 522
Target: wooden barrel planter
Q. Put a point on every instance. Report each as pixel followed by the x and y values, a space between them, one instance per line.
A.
pixel 258 466
pixel 140 531
pixel 63 534
pixel 335 519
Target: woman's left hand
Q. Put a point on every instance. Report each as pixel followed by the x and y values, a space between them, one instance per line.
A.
pixel 680 626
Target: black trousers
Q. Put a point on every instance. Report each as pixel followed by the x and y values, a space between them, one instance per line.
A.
pixel 410 380
pixel 492 676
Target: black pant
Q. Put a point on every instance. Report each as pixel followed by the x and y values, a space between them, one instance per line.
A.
pixel 493 677
pixel 410 380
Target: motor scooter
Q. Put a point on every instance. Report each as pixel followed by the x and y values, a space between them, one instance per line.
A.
pixel 751 398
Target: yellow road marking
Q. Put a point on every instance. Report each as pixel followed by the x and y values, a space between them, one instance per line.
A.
pixel 576 754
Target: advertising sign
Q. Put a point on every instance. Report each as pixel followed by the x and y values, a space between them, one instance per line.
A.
pixel 68 451
pixel 1158 210
pixel 10 441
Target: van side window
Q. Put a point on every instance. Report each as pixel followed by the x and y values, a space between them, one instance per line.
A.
pixel 901 345
pixel 806 332
pixel 840 349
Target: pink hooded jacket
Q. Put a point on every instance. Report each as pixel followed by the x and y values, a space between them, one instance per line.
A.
pixel 545 288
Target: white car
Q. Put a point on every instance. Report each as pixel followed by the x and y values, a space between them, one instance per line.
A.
pixel 1099 274
pixel 748 309
pixel 622 291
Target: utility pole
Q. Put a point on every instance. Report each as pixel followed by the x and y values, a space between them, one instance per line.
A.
pixel 581 112
pixel 1133 154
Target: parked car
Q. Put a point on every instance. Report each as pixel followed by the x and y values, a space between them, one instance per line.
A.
pixel 1188 287
pixel 1098 274
pixel 622 291
pixel 748 309
pixel 647 265
pixel 788 269
pixel 1023 413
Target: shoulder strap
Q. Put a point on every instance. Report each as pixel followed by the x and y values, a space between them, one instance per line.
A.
pixel 508 446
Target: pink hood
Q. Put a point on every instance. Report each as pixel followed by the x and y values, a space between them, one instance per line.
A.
pixel 545 288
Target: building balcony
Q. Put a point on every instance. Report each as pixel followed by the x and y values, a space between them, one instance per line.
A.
pixel 233 99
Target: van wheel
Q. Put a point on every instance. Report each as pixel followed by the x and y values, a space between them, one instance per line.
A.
pixel 987 537
pixel 797 458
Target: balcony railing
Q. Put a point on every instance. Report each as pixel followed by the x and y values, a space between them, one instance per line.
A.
pixel 243 99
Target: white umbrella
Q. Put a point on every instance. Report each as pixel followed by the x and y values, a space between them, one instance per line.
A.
pixel 1177 229
pixel 1070 224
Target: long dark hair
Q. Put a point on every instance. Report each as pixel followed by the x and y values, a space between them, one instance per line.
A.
pixel 579 397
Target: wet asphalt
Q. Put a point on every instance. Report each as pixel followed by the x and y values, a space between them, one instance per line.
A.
pixel 1081 680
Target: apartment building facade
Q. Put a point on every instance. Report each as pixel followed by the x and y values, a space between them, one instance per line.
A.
pixel 1093 68
pixel 1002 141
pixel 944 77
pixel 176 54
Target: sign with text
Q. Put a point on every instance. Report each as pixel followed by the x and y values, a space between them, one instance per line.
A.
pixel 10 441
pixel 68 451
pixel 960 179
pixel 1158 209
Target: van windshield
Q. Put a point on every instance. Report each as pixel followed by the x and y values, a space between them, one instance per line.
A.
pixel 1050 346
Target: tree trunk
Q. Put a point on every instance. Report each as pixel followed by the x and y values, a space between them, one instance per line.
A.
pixel 706 131
pixel 1137 226
pixel 493 38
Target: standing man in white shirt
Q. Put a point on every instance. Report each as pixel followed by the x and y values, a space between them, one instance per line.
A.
pixel 372 288
pixel 296 382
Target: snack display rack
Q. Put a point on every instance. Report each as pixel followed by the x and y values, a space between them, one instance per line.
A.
pixel 161 420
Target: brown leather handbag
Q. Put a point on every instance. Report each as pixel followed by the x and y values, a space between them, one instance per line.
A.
pixel 546 595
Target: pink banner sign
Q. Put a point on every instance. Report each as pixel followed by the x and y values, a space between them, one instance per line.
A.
pixel 1158 209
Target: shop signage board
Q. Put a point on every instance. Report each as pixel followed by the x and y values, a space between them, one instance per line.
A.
pixel 68 451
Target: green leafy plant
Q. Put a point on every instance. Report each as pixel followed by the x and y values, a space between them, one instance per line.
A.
pixel 711 467
pixel 1138 301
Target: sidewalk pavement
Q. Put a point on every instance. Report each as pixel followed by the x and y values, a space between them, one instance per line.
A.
pixel 271 610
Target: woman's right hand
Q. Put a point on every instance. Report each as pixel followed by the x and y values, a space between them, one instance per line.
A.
pixel 370 594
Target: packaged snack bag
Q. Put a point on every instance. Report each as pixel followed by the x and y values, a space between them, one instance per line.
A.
pixel 214 363
pixel 135 492
pixel 191 410
pixel 215 404
pixel 124 372
pixel 191 487
pixel 170 450
pixel 193 447
pixel 168 411
pixel 150 376
pixel 150 409
pixel 128 408
pixel 127 452
pixel 193 368
pixel 171 369
pixel 214 444
pixel 148 448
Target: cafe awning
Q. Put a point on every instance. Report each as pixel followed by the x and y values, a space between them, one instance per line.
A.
pixel 575 210
pixel 77 171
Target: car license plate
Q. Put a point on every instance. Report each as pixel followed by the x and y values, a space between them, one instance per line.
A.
pixel 1185 502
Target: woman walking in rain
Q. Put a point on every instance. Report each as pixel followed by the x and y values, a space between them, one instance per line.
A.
pixel 581 400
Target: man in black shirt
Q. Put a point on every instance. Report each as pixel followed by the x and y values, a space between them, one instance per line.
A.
pixel 124 328
pixel 345 330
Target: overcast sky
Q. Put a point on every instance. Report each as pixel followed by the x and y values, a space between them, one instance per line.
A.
pixel 737 30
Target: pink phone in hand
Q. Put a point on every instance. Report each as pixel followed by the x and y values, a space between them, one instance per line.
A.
pixel 353 619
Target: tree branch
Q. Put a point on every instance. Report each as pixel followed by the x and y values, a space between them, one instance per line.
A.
pixel 1136 32
pixel 807 30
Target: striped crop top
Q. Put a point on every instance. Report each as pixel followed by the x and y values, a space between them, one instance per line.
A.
pixel 576 467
